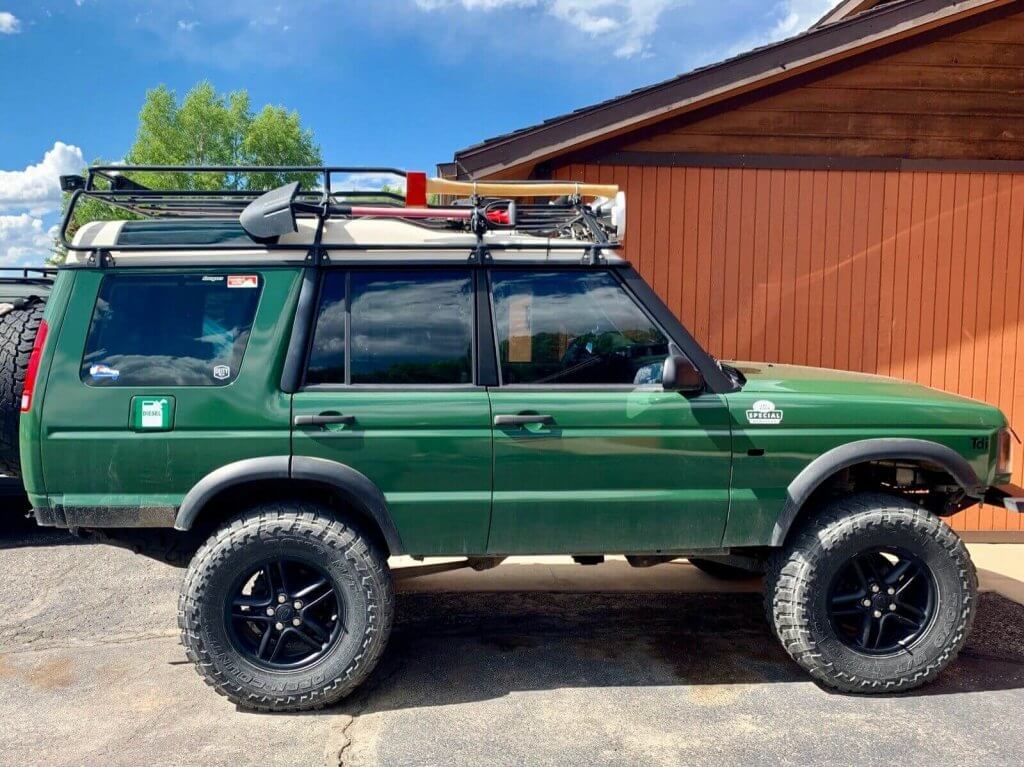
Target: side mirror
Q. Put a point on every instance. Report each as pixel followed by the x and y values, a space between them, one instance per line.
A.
pixel 271 215
pixel 680 374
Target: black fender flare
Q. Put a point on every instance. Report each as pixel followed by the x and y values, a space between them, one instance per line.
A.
pixel 355 487
pixel 852 453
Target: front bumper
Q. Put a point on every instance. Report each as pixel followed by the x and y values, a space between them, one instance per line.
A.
pixel 1010 497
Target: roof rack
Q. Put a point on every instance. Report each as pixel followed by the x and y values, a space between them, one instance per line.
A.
pixel 587 216
pixel 27 273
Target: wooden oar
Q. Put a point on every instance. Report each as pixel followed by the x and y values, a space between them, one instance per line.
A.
pixel 519 189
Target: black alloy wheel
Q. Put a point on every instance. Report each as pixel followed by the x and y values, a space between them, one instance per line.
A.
pixel 284 614
pixel 882 601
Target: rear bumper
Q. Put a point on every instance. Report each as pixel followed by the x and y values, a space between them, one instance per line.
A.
pixel 1010 497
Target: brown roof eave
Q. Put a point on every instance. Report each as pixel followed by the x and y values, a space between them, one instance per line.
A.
pixel 744 73
pixel 844 10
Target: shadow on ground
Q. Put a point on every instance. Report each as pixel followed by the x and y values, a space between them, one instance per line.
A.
pixel 449 649
pixel 18 531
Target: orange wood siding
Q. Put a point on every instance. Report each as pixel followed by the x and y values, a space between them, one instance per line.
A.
pixel 957 96
pixel 910 274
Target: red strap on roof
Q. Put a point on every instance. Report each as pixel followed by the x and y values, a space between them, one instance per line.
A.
pixel 416 189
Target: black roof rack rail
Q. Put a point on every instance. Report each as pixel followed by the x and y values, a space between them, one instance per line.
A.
pixel 25 273
pixel 264 215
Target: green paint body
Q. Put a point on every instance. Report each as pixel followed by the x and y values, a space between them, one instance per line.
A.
pixel 621 470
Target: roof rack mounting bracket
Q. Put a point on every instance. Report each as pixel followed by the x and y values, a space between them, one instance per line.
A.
pixel 272 214
pixel 100 258
pixel 481 254
pixel 593 256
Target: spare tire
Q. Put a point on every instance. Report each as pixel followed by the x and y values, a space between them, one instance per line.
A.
pixel 18 329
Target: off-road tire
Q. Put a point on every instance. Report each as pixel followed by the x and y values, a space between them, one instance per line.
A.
pixel 18 330
pixel 798 583
pixel 722 571
pixel 349 557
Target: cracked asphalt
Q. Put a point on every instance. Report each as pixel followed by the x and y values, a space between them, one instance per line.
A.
pixel 91 672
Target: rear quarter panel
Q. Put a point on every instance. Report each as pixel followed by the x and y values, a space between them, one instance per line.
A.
pixel 29 425
pixel 90 457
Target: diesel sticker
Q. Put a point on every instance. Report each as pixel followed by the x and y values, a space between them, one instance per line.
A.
pixel 763 412
pixel 152 413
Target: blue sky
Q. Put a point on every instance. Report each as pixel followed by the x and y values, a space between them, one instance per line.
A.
pixel 380 82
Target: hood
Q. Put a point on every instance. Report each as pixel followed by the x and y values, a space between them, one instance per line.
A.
pixel 773 378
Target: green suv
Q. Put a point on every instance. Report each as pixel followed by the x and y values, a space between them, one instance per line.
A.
pixel 281 390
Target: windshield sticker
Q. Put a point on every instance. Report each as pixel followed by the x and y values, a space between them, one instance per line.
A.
pixel 243 281
pixel 221 372
pixel 101 372
pixel 763 412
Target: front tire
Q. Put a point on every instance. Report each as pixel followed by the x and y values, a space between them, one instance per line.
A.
pixel 286 608
pixel 874 595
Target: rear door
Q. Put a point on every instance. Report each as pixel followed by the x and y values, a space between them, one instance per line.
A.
pixel 158 379
pixel 591 455
pixel 391 390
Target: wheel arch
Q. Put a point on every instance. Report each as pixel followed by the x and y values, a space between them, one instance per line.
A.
pixel 828 464
pixel 296 475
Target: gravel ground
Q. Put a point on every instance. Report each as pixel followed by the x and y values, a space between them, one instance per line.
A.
pixel 91 673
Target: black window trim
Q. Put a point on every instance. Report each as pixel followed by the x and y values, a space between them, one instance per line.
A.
pixel 615 272
pixel 349 269
pixel 170 274
pixel 486 367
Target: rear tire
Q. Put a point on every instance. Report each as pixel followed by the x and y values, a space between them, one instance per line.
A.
pixel 316 602
pixel 874 595
pixel 18 330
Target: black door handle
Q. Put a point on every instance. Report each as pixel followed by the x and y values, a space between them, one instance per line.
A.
pixel 323 420
pixel 522 420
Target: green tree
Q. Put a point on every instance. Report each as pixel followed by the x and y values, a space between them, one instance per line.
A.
pixel 210 128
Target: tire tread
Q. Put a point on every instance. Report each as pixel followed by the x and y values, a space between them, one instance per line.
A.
pixel 790 572
pixel 290 518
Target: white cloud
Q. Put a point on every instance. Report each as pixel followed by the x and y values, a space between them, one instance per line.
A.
pixel 24 240
pixel 791 17
pixel 797 15
pixel 37 187
pixel 187 26
pixel 628 25
pixel 474 5
pixel 9 23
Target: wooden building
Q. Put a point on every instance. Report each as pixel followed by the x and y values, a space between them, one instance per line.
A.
pixel 852 197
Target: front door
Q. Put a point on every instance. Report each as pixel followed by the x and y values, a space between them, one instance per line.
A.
pixel 591 455
pixel 390 391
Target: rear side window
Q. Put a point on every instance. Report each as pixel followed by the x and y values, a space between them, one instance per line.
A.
pixel 573 327
pixel 170 330
pixel 394 327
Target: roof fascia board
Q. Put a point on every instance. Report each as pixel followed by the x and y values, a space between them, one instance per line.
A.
pixel 844 10
pixel 914 25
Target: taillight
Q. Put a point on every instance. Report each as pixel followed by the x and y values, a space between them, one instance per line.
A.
pixel 33 367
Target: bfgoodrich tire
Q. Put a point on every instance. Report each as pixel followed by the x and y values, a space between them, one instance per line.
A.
pixel 18 329
pixel 286 608
pixel 874 595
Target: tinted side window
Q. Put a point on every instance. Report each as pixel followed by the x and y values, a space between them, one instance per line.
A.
pixel 169 330
pixel 573 328
pixel 408 327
